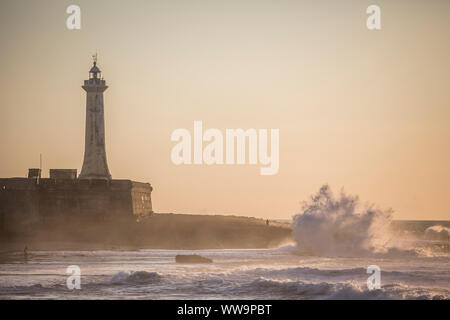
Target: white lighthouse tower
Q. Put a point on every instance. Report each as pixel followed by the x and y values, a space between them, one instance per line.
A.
pixel 95 165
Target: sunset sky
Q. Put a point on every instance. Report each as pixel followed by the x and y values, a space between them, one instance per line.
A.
pixel 365 110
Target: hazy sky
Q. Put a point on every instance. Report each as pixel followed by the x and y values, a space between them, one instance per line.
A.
pixel 365 110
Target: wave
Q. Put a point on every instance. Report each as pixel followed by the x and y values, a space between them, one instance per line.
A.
pixel 307 273
pixel 120 278
pixel 341 226
pixel 138 277
pixel 340 291
pixel 255 283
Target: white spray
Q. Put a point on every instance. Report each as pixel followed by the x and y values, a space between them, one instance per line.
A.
pixel 340 226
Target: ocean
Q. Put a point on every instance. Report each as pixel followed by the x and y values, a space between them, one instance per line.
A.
pixel 421 270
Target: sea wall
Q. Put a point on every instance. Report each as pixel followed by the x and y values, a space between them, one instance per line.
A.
pixel 29 203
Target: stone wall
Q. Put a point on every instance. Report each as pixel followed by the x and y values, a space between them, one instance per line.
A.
pixel 25 203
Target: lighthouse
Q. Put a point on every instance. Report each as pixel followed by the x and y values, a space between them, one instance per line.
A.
pixel 95 165
pixel 93 197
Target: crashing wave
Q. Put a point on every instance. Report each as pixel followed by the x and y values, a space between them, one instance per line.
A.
pixel 341 291
pixel 437 232
pixel 138 277
pixel 341 226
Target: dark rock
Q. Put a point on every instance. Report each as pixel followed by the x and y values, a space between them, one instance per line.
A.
pixel 191 258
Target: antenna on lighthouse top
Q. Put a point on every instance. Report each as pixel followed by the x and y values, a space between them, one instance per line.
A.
pixel 95 72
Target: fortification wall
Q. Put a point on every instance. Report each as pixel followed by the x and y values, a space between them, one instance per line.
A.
pixel 141 198
pixel 25 203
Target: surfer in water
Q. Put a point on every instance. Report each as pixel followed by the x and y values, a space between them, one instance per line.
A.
pixel 25 253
